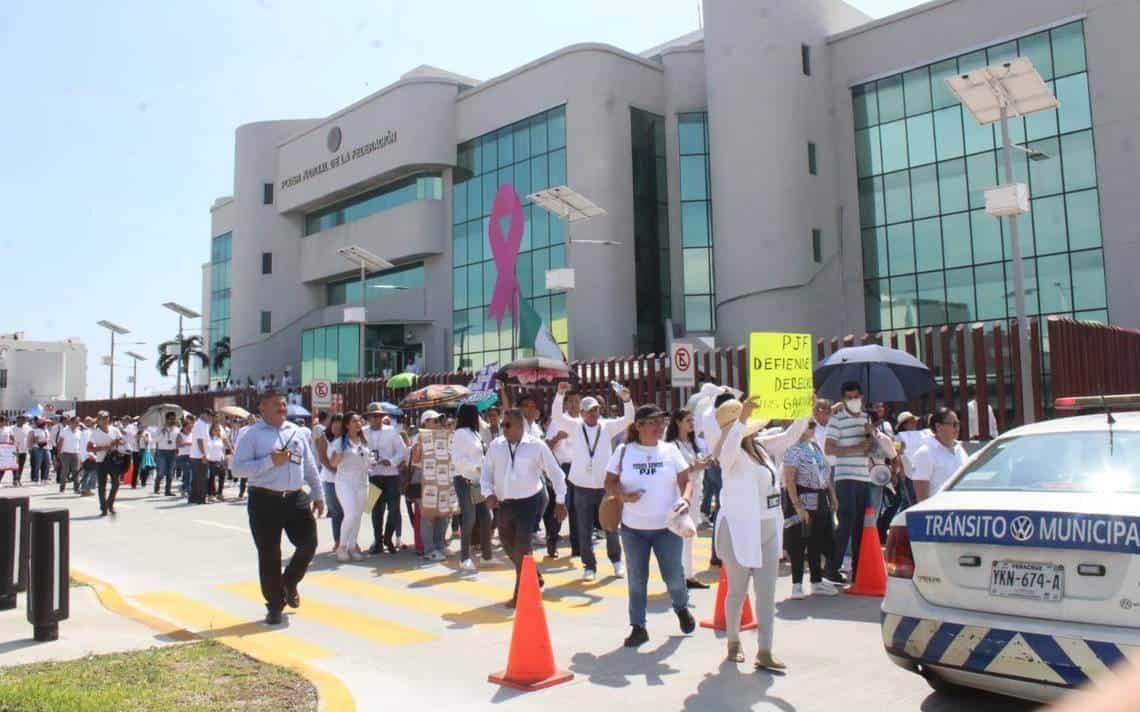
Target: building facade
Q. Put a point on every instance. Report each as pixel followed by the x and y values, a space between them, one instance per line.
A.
pixel 792 166
pixel 41 373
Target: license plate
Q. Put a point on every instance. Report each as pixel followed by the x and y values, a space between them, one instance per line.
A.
pixel 1027 579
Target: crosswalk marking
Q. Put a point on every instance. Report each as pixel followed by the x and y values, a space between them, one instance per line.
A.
pixel 243 634
pixel 448 610
pixel 376 629
pixel 480 589
pixel 220 525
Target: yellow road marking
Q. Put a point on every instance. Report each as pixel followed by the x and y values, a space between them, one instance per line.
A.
pixel 480 589
pixel 448 610
pixel 230 629
pixel 378 630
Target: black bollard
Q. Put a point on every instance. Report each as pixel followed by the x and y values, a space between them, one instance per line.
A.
pixel 49 567
pixel 13 549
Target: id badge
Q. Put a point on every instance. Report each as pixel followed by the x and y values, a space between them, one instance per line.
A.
pixel 810 501
pixel 294 457
pixel 589 468
pixel 375 457
pixel 773 501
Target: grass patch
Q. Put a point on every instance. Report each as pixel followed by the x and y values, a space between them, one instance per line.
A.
pixel 203 676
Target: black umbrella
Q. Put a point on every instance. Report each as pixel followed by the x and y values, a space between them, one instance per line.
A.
pixel 885 374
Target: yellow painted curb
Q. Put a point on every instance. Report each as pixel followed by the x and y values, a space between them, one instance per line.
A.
pixel 332 693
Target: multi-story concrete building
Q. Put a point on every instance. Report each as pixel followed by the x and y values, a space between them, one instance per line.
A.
pixel 41 372
pixel 792 166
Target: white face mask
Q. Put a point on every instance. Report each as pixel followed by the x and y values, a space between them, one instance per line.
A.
pixel 855 405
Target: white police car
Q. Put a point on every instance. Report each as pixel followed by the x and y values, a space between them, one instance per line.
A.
pixel 1022 575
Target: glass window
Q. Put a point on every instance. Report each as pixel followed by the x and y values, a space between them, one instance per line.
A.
pixel 556 127
pixel 1042 124
pixel 1049 224
pixel 897 189
pixel 693 185
pixel 943 97
pixel 557 230
pixel 506 147
pixel 928 244
pixel 1084 219
pixel 890 98
pixel 1056 290
pixel 539 226
pixel 1079 165
pixel 871 201
pixel 868 159
pixel 904 302
pixel 989 282
pixel 475 283
pixel 695 224
pixel 956 240
pixel 900 245
pixel 266 322
pixel 920 139
pixel 1088 280
pixel 981 173
pixel 1073 93
pixel 865 104
pixel 459 202
pixel 348 356
pixel 812 167
pixel 698 313
pixel 948 132
pixel 490 148
pixel 952 185
pixel 476 240
pixel 523 272
pixel 538 142
pixel 521 134
pixel 1036 48
pixel 817 246
pixel 875 252
pixel 876 301
pixel 1068 49
pixel 697 271
pixel 931 299
pixel 916 89
pixel 539 173
pixel 558 167
pixel 978 137
pixel 474 199
pixel 1001 53
pixel 894 146
pixel 924 191
pixel 691 133
pixel 805 60
pixel 986 230
pixel 960 295
pixel 1045 176
pixel 540 262
pixel 972 61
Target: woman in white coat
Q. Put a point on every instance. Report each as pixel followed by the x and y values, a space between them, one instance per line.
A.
pixel 749 527
pixel 349 457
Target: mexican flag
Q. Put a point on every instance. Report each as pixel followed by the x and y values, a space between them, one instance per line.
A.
pixel 535 334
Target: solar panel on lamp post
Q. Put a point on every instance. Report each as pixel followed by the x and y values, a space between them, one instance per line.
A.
pixel 182 312
pixel 114 329
pixel 991 94
pixel 566 203
pixel 135 373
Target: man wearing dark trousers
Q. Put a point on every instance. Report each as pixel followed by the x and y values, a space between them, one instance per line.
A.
pixel 512 481
pixel 277 459
pixel 105 443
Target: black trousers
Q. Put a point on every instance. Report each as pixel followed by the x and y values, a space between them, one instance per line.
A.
pixel 517 518
pixel 217 476
pixel 575 547
pixel 136 460
pixel 113 472
pixel 389 501
pixel 816 539
pixel 21 458
pixel 269 515
pixel 550 522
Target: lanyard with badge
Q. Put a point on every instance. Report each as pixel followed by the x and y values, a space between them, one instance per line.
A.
pixel 512 451
pixel 591 449
pixel 294 457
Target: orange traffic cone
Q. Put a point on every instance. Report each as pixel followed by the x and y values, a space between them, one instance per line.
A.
pixel 871 574
pixel 747 620
pixel 530 664
pixel 129 477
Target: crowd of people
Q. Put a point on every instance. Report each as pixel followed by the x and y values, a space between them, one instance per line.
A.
pixel 640 479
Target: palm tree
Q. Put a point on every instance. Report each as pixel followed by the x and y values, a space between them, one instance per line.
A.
pixel 221 354
pixel 191 348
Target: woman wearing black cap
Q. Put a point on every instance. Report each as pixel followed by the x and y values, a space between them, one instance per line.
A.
pixel 652 480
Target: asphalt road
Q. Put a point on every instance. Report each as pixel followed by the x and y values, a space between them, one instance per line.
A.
pixel 397 628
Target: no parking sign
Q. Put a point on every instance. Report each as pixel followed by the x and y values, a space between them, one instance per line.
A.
pixel 322 394
pixel 684 366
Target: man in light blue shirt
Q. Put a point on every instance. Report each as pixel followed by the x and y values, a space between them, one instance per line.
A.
pixel 277 459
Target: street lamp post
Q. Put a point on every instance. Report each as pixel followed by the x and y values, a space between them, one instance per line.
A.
pixel 135 373
pixel 114 329
pixel 991 94
pixel 366 261
pixel 566 203
pixel 182 312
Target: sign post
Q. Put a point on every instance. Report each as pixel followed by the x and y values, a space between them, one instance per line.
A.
pixel 684 367
pixel 321 394
pixel 780 375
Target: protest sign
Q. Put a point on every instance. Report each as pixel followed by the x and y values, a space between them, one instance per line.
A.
pixel 780 375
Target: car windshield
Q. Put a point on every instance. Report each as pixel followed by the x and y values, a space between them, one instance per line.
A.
pixel 1058 462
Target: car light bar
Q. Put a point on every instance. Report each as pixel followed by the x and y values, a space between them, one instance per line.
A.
pixel 1128 400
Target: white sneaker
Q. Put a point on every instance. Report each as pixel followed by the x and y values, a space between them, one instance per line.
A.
pixel 343 556
pixel 467 565
pixel 399 544
pixel 619 569
pixel 589 575
pixel 846 567
pixel 797 591
pixel 823 588
pixel 356 555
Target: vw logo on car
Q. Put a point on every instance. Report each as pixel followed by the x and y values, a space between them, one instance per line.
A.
pixel 1021 528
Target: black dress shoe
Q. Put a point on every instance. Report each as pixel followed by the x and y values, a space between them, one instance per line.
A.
pixel 291 596
pixel 688 625
pixel 102 512
pixel 376 548
pixel 695 583
pixel 637 636
pixel 274 617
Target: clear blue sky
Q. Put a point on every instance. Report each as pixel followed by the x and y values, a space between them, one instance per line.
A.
pixel 119 120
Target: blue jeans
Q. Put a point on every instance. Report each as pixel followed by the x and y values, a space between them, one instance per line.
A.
pixel 164 459
pixel 712 484
pixel 433 530
pixel 667 547
pixel 90 475
pixel 332 504
pixel 183 472
pixel 854 498
pixel 41 463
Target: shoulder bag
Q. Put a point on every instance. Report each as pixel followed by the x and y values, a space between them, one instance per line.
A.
pixel 609 512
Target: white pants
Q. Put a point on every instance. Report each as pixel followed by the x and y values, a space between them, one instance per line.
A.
pixel 352 493
pixel 698 480
pixel 763 582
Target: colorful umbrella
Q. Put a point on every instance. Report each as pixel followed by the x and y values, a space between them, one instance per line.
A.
pixel 402 380
pixel 434 395
pixel 481 400
pixel 391 409
pixel 526 371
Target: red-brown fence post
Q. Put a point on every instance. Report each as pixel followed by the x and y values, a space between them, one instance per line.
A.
pixel 981 382
pixel 947 370
pixel 999 377
pixel 928 342
pixel 1035 370
pixel 1015 366
pixel 963 387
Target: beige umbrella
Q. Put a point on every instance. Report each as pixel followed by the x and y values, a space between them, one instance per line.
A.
pixel 234 411
pixel 155 416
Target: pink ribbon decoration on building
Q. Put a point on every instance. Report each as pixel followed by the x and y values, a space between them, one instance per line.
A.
pixel 505 252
